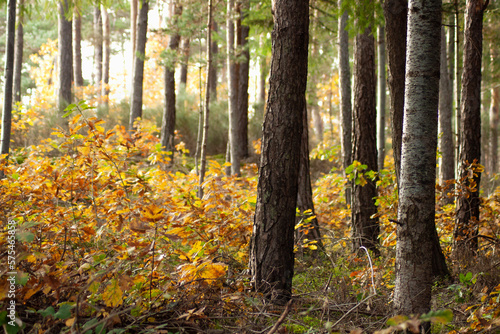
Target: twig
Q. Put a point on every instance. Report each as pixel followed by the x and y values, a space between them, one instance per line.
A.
pixel 371 268
pixel 352 309
pixel 281 318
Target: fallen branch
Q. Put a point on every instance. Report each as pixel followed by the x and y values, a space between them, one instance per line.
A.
pixel 281 318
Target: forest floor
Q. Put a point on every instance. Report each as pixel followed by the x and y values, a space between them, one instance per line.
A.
pixel 110 237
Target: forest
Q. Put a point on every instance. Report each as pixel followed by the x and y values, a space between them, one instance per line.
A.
pixel 238 166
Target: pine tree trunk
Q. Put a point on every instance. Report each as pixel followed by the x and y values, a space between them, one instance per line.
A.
pixel 466 229
pixel 365 228
pixel 169 110
pixel 106 34
pixel 244 70
pixel 77 47
pixel 416 211
pixel 395 29
pixel 232 92
pixel 446 145
pixel 65 59
pixel 271 252
pixel 18 55
pixel 8 79
pixel 381 89
pixel 136 96
pixel 345 96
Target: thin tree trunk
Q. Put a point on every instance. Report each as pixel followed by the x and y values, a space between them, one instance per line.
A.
pixel 494 121
pixel 106 34
pixel 232 91
pixel 18 54
pixel 136 99
pixel 169 110
pixel 185 60
pixel 381 97
pixel 271 251
pixel 446 145
pixel 458 85
pixel 244 70
pixel 8 78
pixel 345 96
pixel 203 155
pixel 65 59
pixel 416 210
pixel 77 47
pixel 395 29
pixel 134 8
pixel 466 229
pixel 365 228
pixel 214 68
pixel 98 51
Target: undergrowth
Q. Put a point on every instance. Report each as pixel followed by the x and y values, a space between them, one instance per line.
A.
pixel 111 238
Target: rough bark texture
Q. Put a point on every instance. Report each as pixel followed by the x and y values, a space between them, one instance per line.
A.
pixel 446 145
pixel 416 209
pixel 345 96
pixel 304 195
pixel 77 48
pixel 140 53
pixel 232 92
pixel 8 78
pixel 244 70
pixel 365 229
pixel 65 56
pixel 271 253
pixel 470 138
pixel 169 110
pixel 106 52
pixel 381 89
pixel 395 29
pixel 18 55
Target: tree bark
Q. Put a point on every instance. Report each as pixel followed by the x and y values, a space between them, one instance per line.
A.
pixel 77 47
pixel 140 54
pixel 8 78
pixel 446 145
pixel 232 92
pixel 365 228
pixel 395 29
pixel 169 110
pixel 214 69
pixel 134 6
pixel 98 51
pixel 65 59
pixel 186 49
pixel 381 97
pixel 345 96
pixel 106 46
pixel 271 252
pixel 466 229
pixel 244 70
pixel 416 211
pixel 18 54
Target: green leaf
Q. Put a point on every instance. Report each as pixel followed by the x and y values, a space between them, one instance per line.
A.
pixel 396 320
pixel 48 311
pixel 25 236
pixel 64 312
pixel 441 316
pixel 68 113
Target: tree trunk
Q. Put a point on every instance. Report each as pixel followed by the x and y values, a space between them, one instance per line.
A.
pixel 232 91
pixel 185 60
pixel 106 56
pixel 206 113
pixel 168 123
pixel 214 68
pixel 381 97
pixel 466 229
pixel 446 145
pixel 345 96
pixel 98 51
pixel 416 211
pixel 244 70
pixel 65 59
pixel 395 29
pixel 305 201
pixel 494 118
pixel 18 54
pixel 271 252
pixel 365 229
pixel 140 54
pixel 458 84
pixel 134 6
pixel 77 47
pixel 8 78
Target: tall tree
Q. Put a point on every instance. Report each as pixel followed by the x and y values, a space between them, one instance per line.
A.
pixel 168 123
pixel 8 78
pixel 106 54
pixel 186 49
pixel 134 8
pixel 140 54
pixel 65 55
pixel 98 50
pixel 214 69
pixel 345 95
pixel 446 145
pixel 381 89
pixel 416 210
pixel 77 46
pixel 466 229
pixel 232 91
pixel 244 71
pixel 271 252
pixel 365 228
pixel 395 29
pixel 18 53
pixel 494 116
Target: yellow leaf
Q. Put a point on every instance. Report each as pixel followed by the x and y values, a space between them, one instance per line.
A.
pixel 70 322
pixel 152 213
pixel 112 295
